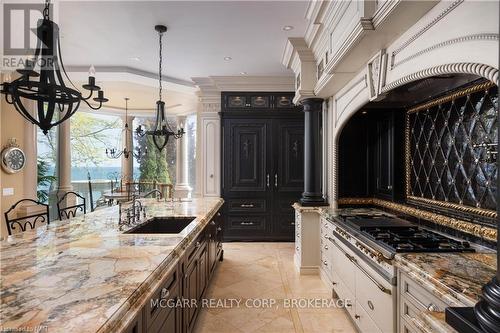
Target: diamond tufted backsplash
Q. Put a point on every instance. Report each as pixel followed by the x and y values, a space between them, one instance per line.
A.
pixel 443 166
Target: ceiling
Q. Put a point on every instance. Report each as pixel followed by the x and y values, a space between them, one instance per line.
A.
pixel 200 34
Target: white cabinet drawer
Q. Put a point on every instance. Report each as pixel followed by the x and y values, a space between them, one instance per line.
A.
pixel 376 296
pixel 406 327
pixel 421 298
pixel 364 322
pixel 344 294
pixel 344 268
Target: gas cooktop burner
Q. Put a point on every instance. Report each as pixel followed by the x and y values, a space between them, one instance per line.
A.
pixel 414 239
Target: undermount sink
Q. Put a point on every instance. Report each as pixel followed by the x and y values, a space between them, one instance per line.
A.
pixel 162 225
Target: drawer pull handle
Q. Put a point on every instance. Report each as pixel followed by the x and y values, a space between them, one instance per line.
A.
pixel 325 263
pixel 218 214
pixel 326 247
pixel 219 229
pixel 370 305
pixel 334 283
pixel 348 305
pixel 267 180
pixel 212 223
pixel 198 244
pixel 432 308
pixel 297 248
pixel 246 223
pixel 164 293
pixel 292 223
pixel 357 316
pixel 246 205
pixel 355 262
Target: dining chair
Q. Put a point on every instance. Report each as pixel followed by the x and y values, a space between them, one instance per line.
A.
pixel 15 223
pixel 69 211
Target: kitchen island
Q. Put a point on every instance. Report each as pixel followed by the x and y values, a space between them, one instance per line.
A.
pixel 87 275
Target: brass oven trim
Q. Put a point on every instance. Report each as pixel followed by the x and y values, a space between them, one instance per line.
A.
pixel 437 203
pixel 477 230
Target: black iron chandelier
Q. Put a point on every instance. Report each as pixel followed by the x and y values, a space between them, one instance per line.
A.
pixel 42 81
pixel 162 130
pixel 126 152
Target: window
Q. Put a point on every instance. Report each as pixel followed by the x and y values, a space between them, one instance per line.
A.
pixel 155 166
pixel 91 134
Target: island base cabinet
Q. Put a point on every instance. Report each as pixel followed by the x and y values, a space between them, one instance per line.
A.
pixel 162 314
pixel 174 306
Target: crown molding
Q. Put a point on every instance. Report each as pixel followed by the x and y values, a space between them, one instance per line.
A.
pixel 213 85
pixel 129 74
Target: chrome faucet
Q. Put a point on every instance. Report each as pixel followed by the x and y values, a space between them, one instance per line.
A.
pixel 133 213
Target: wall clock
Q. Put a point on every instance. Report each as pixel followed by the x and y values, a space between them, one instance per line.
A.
pixel 13 158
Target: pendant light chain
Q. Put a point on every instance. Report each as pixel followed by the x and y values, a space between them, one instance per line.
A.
pixel 160 64
pixel 46 10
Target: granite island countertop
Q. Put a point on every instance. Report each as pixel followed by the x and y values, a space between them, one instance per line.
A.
pixel 86 275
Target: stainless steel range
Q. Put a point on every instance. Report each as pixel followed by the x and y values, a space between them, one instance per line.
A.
pixel 364 243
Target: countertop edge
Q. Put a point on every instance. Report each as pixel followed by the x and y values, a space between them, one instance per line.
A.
pixel 126 313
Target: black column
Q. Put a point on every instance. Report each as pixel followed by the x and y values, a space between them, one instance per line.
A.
pixel 312 195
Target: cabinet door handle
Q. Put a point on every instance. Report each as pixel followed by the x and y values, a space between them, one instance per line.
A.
pixel 246 205
pixel 212 223
pixel 246 223
pixel 219 229
pixel 370 305
pixel 357 316
pixel 276 180
pixel 198 244
pixel 267 180
pixel 325 263
pixel 164 293
pixel 292 223
pixel 326 247
pixel 218 214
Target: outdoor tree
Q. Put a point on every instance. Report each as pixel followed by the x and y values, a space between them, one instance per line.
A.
pixel 155 165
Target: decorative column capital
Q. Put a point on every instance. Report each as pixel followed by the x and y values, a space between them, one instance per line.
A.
pixel 312 104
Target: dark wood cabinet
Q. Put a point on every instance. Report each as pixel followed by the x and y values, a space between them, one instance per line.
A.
pixel 237 101
pixel 263 169
pixel 136 326
pixel 387 151
pixel 167 310
pixel 371 150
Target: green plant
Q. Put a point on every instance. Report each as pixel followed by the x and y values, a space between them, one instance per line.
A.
pixel 44 180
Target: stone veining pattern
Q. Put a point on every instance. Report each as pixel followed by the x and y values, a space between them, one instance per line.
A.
pixel 84 274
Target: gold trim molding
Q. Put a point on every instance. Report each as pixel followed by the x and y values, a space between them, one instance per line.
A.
pixel 477 230
pixel 442 204
pixel 461 208
pixel 449 98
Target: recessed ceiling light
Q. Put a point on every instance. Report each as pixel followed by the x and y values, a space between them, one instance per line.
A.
pixel 288 27
pixel 243 73
pixel 227 58
pixel 135 58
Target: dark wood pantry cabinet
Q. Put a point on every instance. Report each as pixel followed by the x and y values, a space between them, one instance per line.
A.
pixel 262 165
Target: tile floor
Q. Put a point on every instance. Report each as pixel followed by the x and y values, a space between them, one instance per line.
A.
pixel 266 271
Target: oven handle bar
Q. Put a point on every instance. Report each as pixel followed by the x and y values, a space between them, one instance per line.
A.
pixel 355 262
